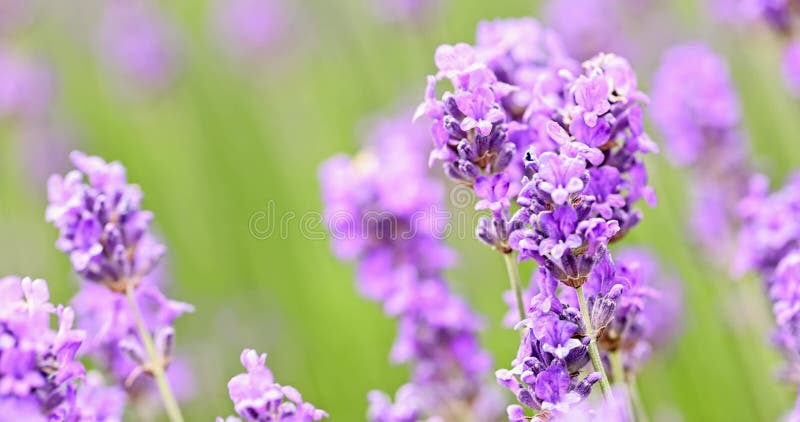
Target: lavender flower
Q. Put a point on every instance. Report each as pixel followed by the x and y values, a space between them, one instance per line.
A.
pixel 579 199
pixel 138 45
pixel 482 126
pixel 769 244
pixel 647 313
pixel 106 233
pixel 38 368
pixel 395 238
pixel 545 374
pixel 97 402
pixel 257 397
pixel 101 224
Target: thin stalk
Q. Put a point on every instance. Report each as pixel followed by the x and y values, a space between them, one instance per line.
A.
pixel 636 400
pixel 618 372
pixel 516 286
pixel 594 352
pixel 156 361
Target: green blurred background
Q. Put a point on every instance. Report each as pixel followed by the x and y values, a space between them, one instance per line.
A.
pixel 224 140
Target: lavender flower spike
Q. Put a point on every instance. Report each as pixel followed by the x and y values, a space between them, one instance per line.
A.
pixel 106 234
pixel 696 108
pixel 257 398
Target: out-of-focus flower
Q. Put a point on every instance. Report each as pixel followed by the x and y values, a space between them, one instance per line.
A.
pixel 696 107
pixel 258 398
pixel 138 45
pixel 769 244
pixel 27 87
pixel 791 66
pixel 39 372
pixel 391 229
pixel 250 28
pixel 99 402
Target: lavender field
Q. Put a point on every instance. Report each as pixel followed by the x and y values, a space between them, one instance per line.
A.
pixel 399 210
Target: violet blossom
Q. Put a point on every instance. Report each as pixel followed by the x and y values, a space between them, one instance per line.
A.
pixel 107 235
pixel 39 372
pixel 769 245
pixel 696 107
pixel 258 398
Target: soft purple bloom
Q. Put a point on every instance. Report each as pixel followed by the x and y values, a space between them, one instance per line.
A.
pixel 694 103
pixel 769 244
pixel 258 398
pixel 98 402
pixel 588 26
pixel 401 260
pixel 27 87
pixel 138 44
pixel 249 28
pixel 38 367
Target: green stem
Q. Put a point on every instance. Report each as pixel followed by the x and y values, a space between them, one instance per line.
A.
pixel 636 400
pixel 594 352
pixel 516 286
pixel 617 368
pixel 156 362
pixel 618 373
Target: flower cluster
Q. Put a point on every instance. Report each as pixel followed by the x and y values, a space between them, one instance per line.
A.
pixel 258 398
pixel 632 307
pixel 578 199
pixel 39 373
pixel 401 260
pixel 101 223
pixel 696 108
pixel 480 128
pixel 545 373
pixel 769 244
pixel 647 313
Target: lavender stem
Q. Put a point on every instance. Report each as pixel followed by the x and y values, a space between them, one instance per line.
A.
pixel 618 370
pixel 636 400
pixel 157 362
pixel 594 352
pixel 516 285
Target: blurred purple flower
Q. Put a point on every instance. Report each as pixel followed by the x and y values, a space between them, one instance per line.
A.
pixel 27 87
pixel 696 107
pixel 250 28
pixel 791 66
pixel 401 260
pixel 138 45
